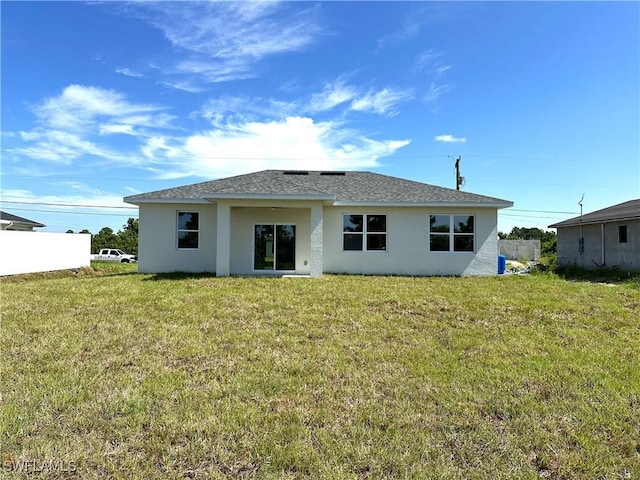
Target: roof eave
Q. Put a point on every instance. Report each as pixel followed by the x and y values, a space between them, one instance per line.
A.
pixel 570 223
pixel 208 199
pixel 139 201
pixel 268 196
pixel 348 203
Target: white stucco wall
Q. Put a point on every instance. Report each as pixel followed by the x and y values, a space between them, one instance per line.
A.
pixel 158 239
pixel 31 252
pixel 625 256
pixel 408 244
pixel 407 240
pixel 243 220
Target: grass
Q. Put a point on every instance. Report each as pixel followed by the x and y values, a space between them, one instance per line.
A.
pixel 120 375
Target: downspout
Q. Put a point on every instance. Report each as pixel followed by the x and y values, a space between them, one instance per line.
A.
pixel 602 257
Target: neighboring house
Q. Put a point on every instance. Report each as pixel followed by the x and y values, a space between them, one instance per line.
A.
pixel 605 238
pixel 310 222
pixel 14 222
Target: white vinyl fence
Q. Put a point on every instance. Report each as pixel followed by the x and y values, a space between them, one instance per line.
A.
pixel 30 252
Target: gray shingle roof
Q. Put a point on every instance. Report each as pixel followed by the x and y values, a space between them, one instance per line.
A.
pixel 343 187
pixel 622 211
pixel 16 219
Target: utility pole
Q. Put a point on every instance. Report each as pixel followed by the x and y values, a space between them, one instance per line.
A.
pixel 459 179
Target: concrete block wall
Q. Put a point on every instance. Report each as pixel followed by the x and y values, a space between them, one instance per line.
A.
pixel 520 250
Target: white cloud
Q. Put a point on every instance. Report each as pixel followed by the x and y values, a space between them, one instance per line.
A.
pixel 108 129
pixel 450 139
pixel 245 134
pixel 295 142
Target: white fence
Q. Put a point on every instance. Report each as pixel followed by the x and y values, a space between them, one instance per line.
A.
pixel 30 252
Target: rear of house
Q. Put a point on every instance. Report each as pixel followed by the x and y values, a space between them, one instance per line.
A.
pixel 309 222
pixel 607 238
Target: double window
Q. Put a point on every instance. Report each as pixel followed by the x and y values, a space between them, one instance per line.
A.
pixel 364 233
pixel 451 233
pixel 188 230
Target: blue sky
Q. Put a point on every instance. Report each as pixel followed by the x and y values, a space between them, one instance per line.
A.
pixel 106 99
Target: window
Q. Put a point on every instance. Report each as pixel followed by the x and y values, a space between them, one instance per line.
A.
pixel 451 233
pixel 622 234
pixel 364 233
pixel 188 230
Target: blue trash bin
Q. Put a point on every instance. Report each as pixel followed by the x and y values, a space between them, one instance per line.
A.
pixel 502 264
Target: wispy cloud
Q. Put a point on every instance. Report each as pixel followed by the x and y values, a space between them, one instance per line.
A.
pixel 226 40
pixel 128 72
pixel 382 102
pixel 435 92
pixel 333 94
pixel 427 60
pixel 450 139
pixel 78 107
pixel 69 125
pixel 430 63
pixel 410 28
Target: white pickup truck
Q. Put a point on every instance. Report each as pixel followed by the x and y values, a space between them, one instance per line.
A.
pixel 114 255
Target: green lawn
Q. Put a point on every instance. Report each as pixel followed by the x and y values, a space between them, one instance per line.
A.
pixel 112 374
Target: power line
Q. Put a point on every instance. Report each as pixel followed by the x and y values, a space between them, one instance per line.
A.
pixel 528 216
pixel 222 157
pixel 69 212
pixel 541 211
pixel 135 208
pixel 66 204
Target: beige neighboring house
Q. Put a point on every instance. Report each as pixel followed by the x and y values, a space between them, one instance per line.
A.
pixel 280 222
pixel 14 222
pixel 605 238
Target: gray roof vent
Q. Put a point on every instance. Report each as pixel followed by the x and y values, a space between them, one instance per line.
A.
pixel 336 174
pixel 295 172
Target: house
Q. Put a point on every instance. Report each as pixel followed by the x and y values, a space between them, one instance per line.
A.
pixel 309 222
pixel 14 222
pixel 605 238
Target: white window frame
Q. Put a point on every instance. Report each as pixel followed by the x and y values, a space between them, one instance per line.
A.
pixel 179 230
pixel 452 234
pixel 365 232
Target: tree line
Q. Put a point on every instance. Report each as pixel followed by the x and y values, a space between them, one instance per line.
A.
pixel 126 239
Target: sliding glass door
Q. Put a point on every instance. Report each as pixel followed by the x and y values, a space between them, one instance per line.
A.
pixel 274 247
